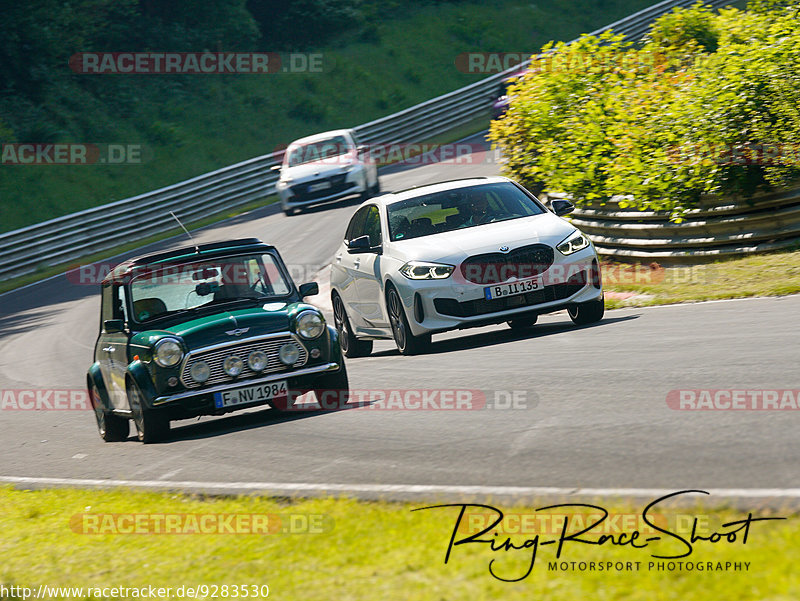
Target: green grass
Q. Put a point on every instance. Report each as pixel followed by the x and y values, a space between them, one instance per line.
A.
pixel 215 121
pixel 773 274
pixel 364 551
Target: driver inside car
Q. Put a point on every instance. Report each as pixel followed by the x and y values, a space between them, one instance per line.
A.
pixel 479 210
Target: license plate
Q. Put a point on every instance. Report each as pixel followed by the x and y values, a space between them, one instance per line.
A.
pixel 319 186
pixel 251 394
pixel 512 289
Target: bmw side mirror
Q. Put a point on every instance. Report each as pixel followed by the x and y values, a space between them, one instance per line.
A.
pixel 309 289
pixel 275 168
pixel 562 207
pixel 113 326
pixel 359 245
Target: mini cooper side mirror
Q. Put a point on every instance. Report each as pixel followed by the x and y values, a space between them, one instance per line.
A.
pixel 113 326
pixel 309 289
pixel 359 245
pixel 562 207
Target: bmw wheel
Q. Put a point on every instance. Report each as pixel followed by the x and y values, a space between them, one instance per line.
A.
pixel 351 346
pixel 407 343
pixel 586 313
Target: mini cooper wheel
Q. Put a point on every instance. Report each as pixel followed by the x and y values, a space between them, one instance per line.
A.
pixel 586 313
pixel 407 343
pixel 112 428
pixel 351 346
pixel 151 426
pixel 523 323
pixel 333 389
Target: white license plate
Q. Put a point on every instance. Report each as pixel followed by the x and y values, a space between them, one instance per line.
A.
pixel 251 394
pixel 512 289
pixel 319 186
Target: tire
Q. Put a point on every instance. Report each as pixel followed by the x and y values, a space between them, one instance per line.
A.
pixel 586 313
pixel 112 428
pixel 523 323
pixel 351 346
pixel 286 403
pixel 333 390
pixel 407 343
pixel 151 426
pixel 376 189
pixel 288 211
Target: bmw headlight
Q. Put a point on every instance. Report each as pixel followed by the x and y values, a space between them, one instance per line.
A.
pixel 418 270
pixel 168 352
pixel 310 324
pixel 573 243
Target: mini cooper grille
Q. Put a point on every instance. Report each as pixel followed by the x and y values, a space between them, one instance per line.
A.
pixel 214 358
pixel 494 268
pixel 450 306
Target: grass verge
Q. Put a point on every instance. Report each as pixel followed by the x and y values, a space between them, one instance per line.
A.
pixel 367 550
pixel 773 274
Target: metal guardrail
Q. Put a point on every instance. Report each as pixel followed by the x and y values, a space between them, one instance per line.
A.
pixel 94 230
pixel 718 228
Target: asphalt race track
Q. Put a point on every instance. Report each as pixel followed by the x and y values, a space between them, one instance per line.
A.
pixel 592 409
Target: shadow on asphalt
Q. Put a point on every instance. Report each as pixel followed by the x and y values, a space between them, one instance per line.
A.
pixel 248 421
pixel 501 336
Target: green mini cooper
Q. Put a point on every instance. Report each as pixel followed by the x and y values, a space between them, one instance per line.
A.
pixel 207 330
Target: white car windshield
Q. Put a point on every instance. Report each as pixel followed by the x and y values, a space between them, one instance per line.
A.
pixel 460 208
pixel 318 151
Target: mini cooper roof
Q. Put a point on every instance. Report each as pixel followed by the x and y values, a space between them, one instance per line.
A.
pixel 213 249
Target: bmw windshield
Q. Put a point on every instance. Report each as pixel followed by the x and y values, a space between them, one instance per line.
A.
pixel 457 209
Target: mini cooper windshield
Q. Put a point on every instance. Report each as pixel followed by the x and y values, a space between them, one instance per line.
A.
pixel 161 291
pixel 455 209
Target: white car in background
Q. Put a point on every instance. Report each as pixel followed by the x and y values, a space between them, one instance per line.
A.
pixel 456 255
pixel 325 167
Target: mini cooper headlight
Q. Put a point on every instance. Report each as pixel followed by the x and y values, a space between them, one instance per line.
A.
pixel 289 353
pixel 168 352
pixel 310 324
pixel 257 361
pixel 233 366
pixel 200 372
pixel 417 270
pixel 573 243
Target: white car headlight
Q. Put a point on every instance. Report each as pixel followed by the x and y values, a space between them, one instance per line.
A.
pixel 168 352
pixel 573 243
pixel 418 270
pixel 310 325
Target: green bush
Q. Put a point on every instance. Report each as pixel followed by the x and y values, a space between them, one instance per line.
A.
pixel 710 104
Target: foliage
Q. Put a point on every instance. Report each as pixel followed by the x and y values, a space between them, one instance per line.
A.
pixel 710 104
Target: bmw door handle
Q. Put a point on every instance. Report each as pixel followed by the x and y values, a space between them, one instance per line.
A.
pixel 109 349
pixel 338 258
pixel 356 263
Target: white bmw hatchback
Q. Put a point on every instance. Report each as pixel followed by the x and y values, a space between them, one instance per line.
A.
pixel 456 255
pixel 325 167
